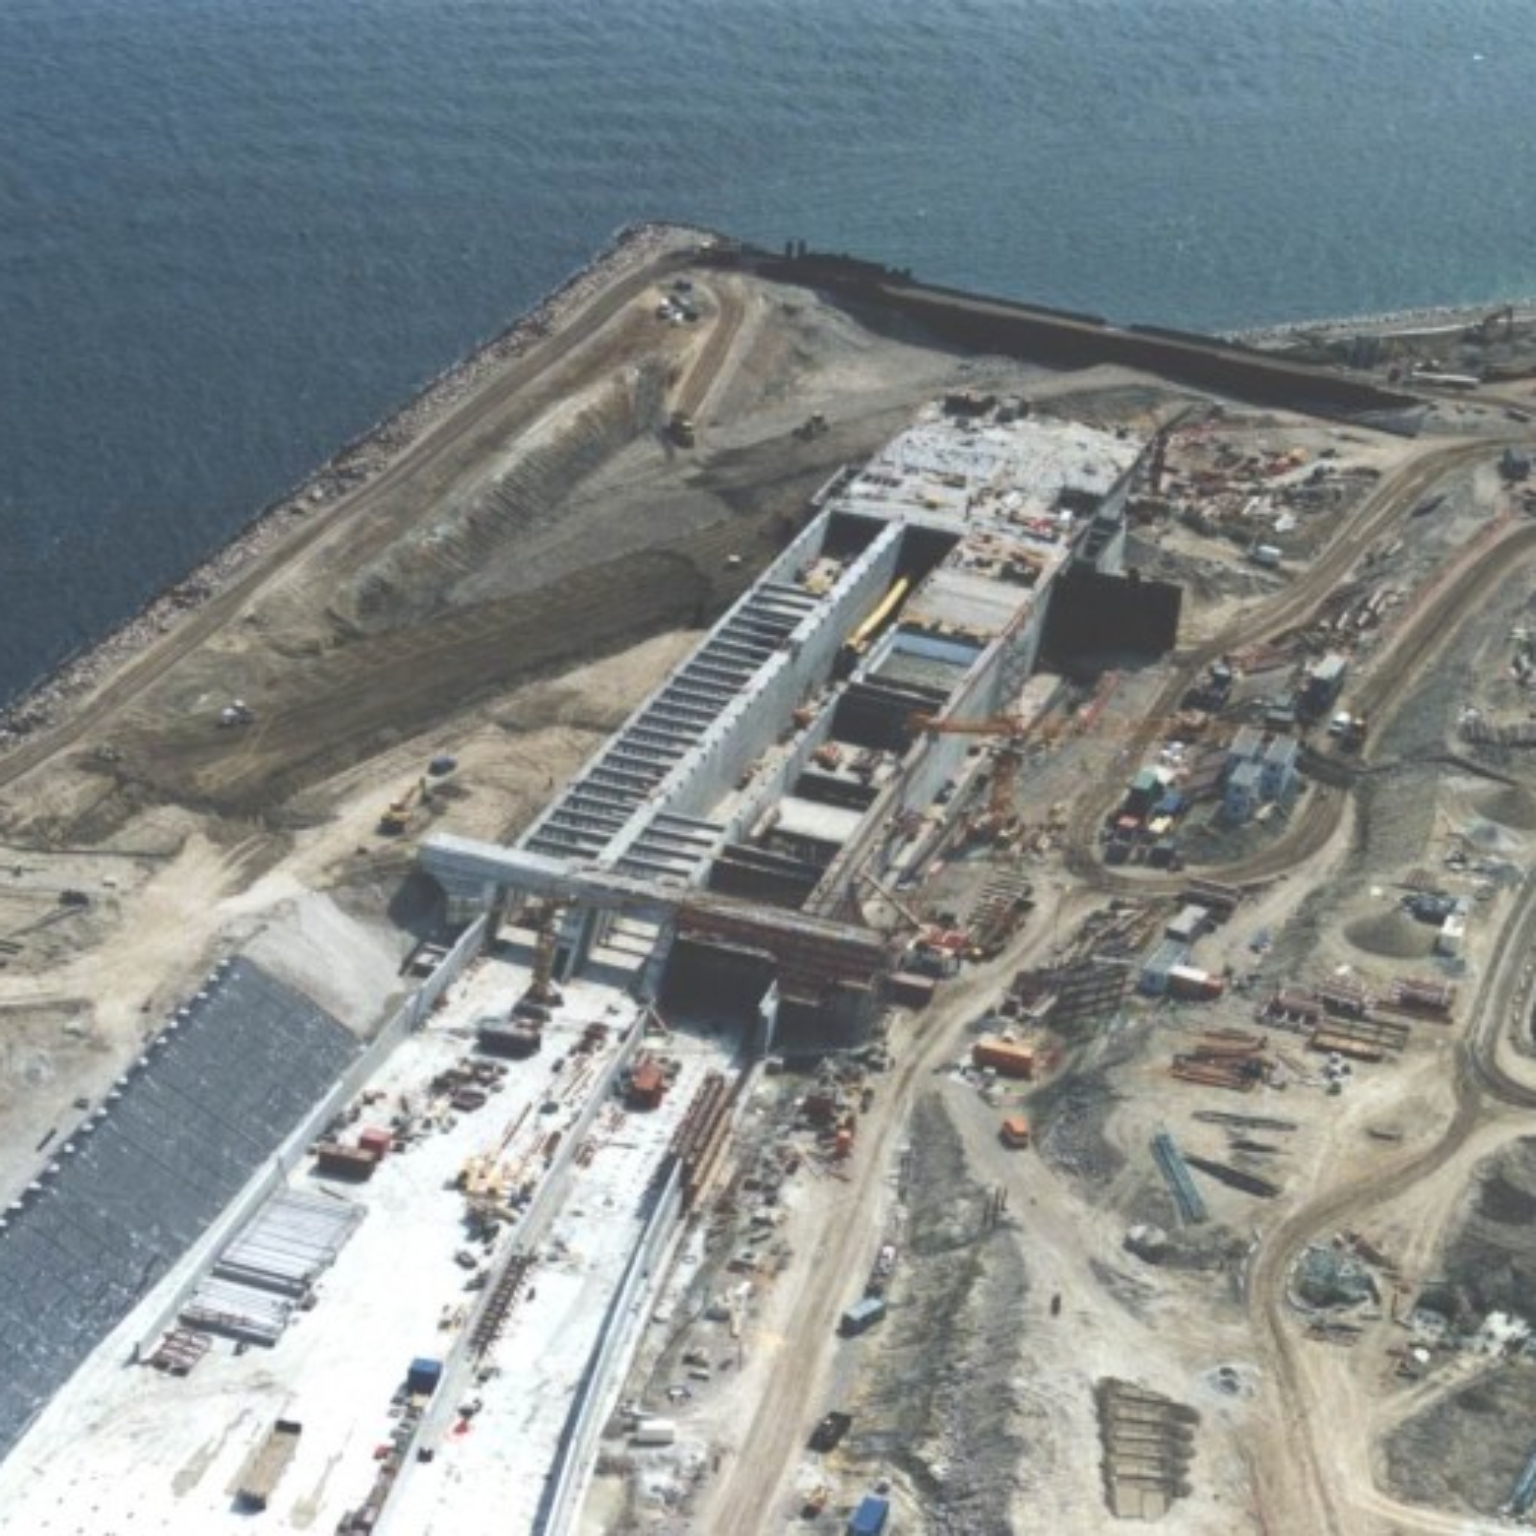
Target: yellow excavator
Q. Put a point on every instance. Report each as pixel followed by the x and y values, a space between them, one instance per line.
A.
pixel 397 818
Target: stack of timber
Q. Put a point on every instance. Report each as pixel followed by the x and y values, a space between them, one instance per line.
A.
pixel 1224 1058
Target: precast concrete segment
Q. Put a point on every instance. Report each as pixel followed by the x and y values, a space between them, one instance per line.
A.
pixel 640 864
pixel 693 839
pixel 685 707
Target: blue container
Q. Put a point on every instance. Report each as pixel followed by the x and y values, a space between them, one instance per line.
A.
pixel 870 1517
pixel 424 1376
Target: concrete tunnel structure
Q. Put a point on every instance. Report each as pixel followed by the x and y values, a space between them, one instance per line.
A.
pixel 726 824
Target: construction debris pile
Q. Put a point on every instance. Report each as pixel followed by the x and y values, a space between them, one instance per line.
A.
pixel 831 1108
pixel 1334 1275
pixel 1284 499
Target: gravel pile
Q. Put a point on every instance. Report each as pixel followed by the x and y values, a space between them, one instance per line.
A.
pixel 944 1410
pixel 1492 1254
pixel 1070 1115
pixel 1509 806
pixel 1393 935
pixel 1466 1452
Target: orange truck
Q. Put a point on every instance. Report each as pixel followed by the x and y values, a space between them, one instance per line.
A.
pixel 1014 1132
pixel 1006 1057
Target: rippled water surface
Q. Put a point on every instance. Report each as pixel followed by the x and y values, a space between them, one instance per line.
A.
pixel 234 232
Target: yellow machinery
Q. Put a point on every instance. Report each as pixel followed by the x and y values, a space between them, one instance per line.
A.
pixel 397 818
pixel 870 627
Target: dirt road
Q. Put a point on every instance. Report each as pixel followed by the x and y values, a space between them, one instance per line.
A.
pixel 752 1491
pixel 1392 500
pixel 1483 1088
pixel 351 520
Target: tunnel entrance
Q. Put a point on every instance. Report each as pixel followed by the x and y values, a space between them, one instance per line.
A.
pixel 717 983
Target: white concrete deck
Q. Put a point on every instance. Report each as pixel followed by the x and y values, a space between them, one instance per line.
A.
pixel 492 1478
pixel 124 1449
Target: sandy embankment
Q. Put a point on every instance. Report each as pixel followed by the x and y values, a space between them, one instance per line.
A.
pixel 355 465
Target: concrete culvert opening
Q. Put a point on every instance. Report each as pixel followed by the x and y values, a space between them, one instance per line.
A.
pixel 1092 614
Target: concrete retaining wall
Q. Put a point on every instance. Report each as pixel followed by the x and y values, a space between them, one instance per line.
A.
pixel 605 1372
pixel 1081 341
pixel 652 1259
pixel 735 742
pixel 529 1232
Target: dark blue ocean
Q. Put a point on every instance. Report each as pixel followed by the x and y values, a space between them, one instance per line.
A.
pixel 235 232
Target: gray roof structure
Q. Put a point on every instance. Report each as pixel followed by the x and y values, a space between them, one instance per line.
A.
pixel 1246 776
pixel 212 1098
pixel 1247 744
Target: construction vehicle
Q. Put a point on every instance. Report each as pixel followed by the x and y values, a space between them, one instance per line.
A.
pixel 861 1316
pixel 870 1518
pixel 1488 326
pixel 1014 1133
pixel 266 1464
pixel 933 950
pixel 397 818
pixel 813 426
pixel 1348 730
pixel 681 430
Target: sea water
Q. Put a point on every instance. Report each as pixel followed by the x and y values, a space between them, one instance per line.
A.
pixel 233 233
